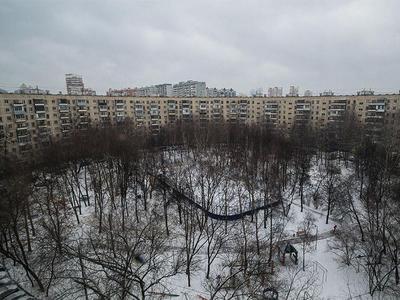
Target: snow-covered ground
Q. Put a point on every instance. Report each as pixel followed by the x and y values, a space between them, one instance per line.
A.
pixel 335 281
pixel 332 280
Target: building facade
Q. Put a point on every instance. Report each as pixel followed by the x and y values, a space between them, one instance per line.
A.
pixel 74 84
pixel 160 90
pixel 293 91
pixel 275 92
pixel 214 92
pixel 28 122
pixel 25 89
pixel 190 88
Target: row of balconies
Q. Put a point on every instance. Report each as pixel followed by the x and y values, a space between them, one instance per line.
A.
pixel 376 108
pixel 303 107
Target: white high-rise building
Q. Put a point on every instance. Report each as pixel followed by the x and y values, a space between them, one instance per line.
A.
pixel 293 91
pixel 327 93
pixel 190 88
pixel 164 90
pixel 275 92
pixel 365 92
pixel 75 84
pixel 224 92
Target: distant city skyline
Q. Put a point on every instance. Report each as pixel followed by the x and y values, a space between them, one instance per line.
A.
pixel 151 90
pixel 340 45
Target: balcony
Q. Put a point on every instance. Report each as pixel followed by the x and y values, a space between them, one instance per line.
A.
pixel 43 131
pixel 233 111
pixel 63 107
pixel 139 110
pixel 64 116
pixel 41 124
pixel 216 106
pixel 19 110
pixel 303 107
pixel 20 117
pixel 22 133
pixel 40 116
pixel 186 111
pixel 22 126
pixel 119 119
pixel 380 108
pixel 337 107
pixel 336 112
pixel 103 108
pixel 120 108
pixel 65 120
pixel 23 140
pixel 66 128
pixel 203 106
pixel 154 112
pixel 271 107
pixel 271 115
pixel 82 108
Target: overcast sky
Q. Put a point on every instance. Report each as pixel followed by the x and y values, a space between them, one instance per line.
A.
pixel 322 44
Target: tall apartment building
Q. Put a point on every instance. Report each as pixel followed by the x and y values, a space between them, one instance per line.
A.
pixel 293 91
pixel 75 84
pixel 214 92
pixel 29 121
pixel 128 92
pixel 259 92
pixel 27 89
pixel 190 88
pixel 327 93
pixel 164 90
pixel 275 92
pixel 160 90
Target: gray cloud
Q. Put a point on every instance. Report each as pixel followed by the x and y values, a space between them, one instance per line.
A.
pixel 317 44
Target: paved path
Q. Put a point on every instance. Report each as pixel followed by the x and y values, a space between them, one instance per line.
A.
pixel 298 239
pixel 9 290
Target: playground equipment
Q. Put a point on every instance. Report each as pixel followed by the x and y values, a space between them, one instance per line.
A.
pixel 284 249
